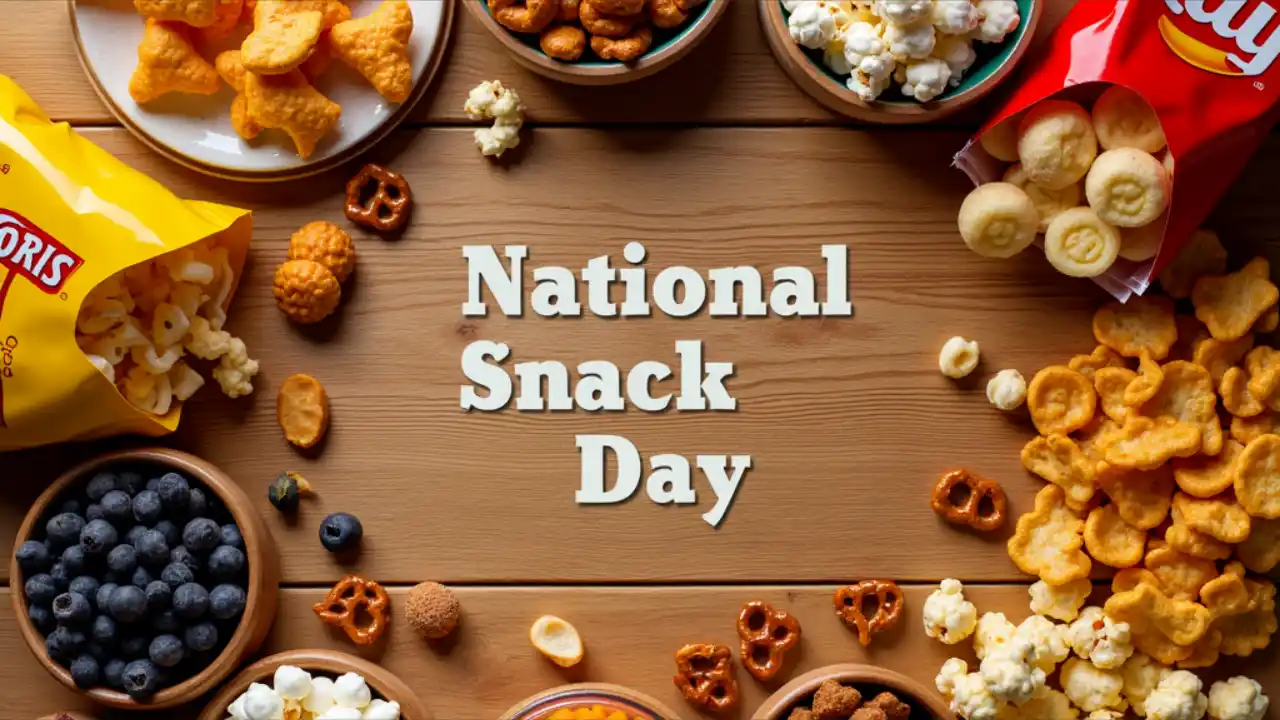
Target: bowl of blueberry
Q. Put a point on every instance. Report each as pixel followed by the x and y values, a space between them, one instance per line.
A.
pixel 143 578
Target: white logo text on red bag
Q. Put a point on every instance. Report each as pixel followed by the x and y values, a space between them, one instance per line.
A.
pixel 34 254
pixel 1229 21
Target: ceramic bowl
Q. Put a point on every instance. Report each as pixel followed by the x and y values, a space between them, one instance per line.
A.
pixel 868 679
pixel 381 681
pixel 613 697
pixel 668 47
pixel 806 68
pixel 260 551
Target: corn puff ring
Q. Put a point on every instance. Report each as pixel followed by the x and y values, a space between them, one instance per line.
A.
pixel 1187 394
pixel 1261 552
pixel 196 13
pixel 1048 541
pixel 1056 143
pixel 1059 460
pixel 525 16
pixel 1127 187
pixel 1236 396
pixel 1230 304
pixel 624 49
pixel 1202 255
pixel 1195 543
pixel 1078 243
pixel 1143 243
pixel 563 42
pixel 1143 498
pixel 1122 119
pixel 1146 383
pixel 1061 400
pixel 377 46
pixel 1181 575
pixel 288 102
pixel 568 11
pixel 597 23
pixel 327 244
pixel 1112 541
pixel 281 43
pixel 1145 444
pixel 1220 517
pixel 1206 476
pixel 1001 141
pixel 1142 323
pixel 666 14
pixel 1257 479
pixel 168 62
pixel 998 220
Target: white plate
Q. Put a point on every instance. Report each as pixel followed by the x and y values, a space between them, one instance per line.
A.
pixel 195 130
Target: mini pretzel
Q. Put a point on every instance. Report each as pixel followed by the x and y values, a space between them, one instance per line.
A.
pixel 704 674
pixel 848 602
pixel 767 635
pixel 969 512
pixel 388 207
pixel 343 603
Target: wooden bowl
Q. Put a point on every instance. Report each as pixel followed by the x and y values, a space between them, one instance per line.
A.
pixel 328 662
pixel 870 680
pixel 807 70
pixel 668 47
pixel 68 715
pixel 260 551
pixel 635 704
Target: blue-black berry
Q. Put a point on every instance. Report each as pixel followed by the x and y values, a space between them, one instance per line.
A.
pixel 128 603
pixel 201 535
pixel 166 650
pixel 100 485
pixel 131 482
pixel 153 484
pixel 72 506
pixel 183 556
pixel 73 560
pixel 98 537
pixel 104 631
pixel 226 563
pixel 141 678
pixel 172 534
pixel 113 673
pixel 135 532
pixel 159 595
pixel 152 549
pixel 190 601
pixel 197 504
pixel 122 559
pixel 42 617
pixel 61 576
pixel 64 644
pixel 142 577
pixel 103 598
pixel 177 575
pixel 96 650
pixel 33 557
pixel 231 536
pixel 134 645
pixel 340 531
pixel 146 507
pixel 72 609
pixel 86 585
pixel 226 601
pixel 63 530
pixel 175 493
pixel 118 508
pixel 201 637
pixel 94 512
pixel 165 623
pixel 85 671
pixel 40 589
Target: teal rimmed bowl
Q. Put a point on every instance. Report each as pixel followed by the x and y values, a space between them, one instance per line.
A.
pixel 807 69
pixel 668 47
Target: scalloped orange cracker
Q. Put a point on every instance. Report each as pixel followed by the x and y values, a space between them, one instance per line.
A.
pixel 1246 430
pixel 1195 543
pixel 1226 595
pixel 1205 652
pixel 1144 322
pixel 1221 516
pixel 1261 551
pixel 1217 355
pixel 1060 400
pixel 1244 633
pixel 1143 497
pixel 1101 357
pixel 1186 394
pixel 1148 610
pixel 1202 255
pixel 1059 460
pixel 1204 476
pixel 1112 541
pixel 1257 482
pixel 1181 575
pixel 1146 382
pixel 1269 321
pixel 1093 436
pixel 1230 304
pixel 1143 443
pixel 1129 578
pixel 1236 396
pixel 1047 541
pixel 1263 366
pixel 1110 384
pixel 1190 332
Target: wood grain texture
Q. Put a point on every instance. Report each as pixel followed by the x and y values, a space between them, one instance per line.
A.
pixel 731 78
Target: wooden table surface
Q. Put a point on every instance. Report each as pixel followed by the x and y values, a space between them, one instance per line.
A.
pixel 718 161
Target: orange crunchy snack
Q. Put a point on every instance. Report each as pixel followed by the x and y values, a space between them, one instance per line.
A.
pixel 1237 397
pixel 1220 517
pixel 1061 400
pixel 1145 444
pixel 1146 383
pixel 1217 356
pixel 358 607
pixel 1111 384
pixel 1186 394
pixel 1143 497
pixel 288 102
pixel 590 712
pixel 327 244
pixel 1157 621
pixel 1181 575
pixel 1206 476
pixel 1048 541
pixel 1244 633
pixel 1257 477
pixel 1202 255
pixel 280 41
pixel 1230 304
pixel 1101 357
pixel 1195 543
pixel 1110 540
pixel 232 71
pixel 168 62
pixel 1261 551
pixel 226 15
pixel 196 13
pixel 377 46
pixel 302 409
pixel 834 700
pixel 1059 460
pixel 1144 322
pixel 1245 430
pixel 306 291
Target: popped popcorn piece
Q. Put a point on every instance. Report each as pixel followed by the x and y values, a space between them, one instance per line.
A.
pixel 1007 390
pixel 1141 675
pixel 971 699
pixel 926 79
pixel 1099 639
pixel 259 702
pixel 868 56
pixel 901 12
pixel 1010 671
pixel 341 713
pixel 493 141
pixel 1061 602
pixel 950 673
pixel 292 683
pixel 909 41
pixel 999 18
pixel 382 710
pixel 206 343
pixel 320 699
pixel 958 357
pixel 842 12
pixel 351 691
pixel 811 26
pixel 955 17
pixel 490 99
pixel 993 630
pixel 1048 638
pixel 947 615
pixel 235 370
pixel 957 52
pixel 1239 698
pixel 1089 687
pixel 834 58
pixel 1177 697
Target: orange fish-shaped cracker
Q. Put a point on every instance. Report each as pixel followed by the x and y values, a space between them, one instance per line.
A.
pixel 288 102
pixel 377 46
pixel 167 62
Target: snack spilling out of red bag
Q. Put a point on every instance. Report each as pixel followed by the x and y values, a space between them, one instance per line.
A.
pixel 1123 134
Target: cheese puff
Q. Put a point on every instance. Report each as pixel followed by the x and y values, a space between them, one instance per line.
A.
pixel 327 244
pixel 377 47
pixel 1049 203
pixel 1060 400
pixel 184 381
pixel 1112 541
pixel 317 64
pixel 1202 255
pixel 1143 498
pixel 1143 323
pixel 998 220
pixel 1187 394
pixel 196 13
pixel 334 11
pixel 280 43
pixel 1122 119
pixel 1230 304
pixel 288 102
pixel 306 291
pixel 625 49
pixel 226 15
pixel 1078 243
pixel 103 366
pixel 1056 144
pixel 148 392
pixel 1059 460
pixel 1261 551
pixel 1127 187
pixel 100 316
pixel 167 62
pixel 1047 541
pixel 1244 633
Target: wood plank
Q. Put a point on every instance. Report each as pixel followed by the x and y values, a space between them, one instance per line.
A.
pixel 630 635
pixel 732 78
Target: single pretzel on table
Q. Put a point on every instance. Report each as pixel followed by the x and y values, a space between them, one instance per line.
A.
pixel 969 510
pixel 848 603
pixel 343 603
pixel 388 207
pixel 767 634
pixel 704 674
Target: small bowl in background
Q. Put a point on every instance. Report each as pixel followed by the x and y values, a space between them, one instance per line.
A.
pixel 806 68
pixel 868 679
pixel 668 47
pixel 382 682
pixel 612 697
pixel 261 555
pixel 68 715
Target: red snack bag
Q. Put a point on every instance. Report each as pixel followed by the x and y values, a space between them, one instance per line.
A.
pixel 1207 67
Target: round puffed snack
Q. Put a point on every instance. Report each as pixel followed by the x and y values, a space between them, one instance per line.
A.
pixel 1049 203
pixel 1144 323
pixel 1007 390
pixel 998 220
pixel 958 357
pixel 1061 400
pixel 1122 119
pixel 1081 244
pixel 306 291
pixel 557 639
pixel 432 610
pixel 1056 144
pixel 1127 187
pixel 302 409
pixel 327 244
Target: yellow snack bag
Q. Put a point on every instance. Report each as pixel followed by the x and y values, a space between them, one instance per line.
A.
pixel 71 217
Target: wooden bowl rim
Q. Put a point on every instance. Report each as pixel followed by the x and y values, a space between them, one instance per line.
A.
pixel 806 684
pixel 386 683
pixel 602 73
pixel 635 696
pixel 817 84
pixel 256 548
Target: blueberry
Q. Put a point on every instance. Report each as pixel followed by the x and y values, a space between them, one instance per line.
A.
pixel 226 602
pixel 201 535
pixel 127 603
pixel 201 637
pixel 146 507
pixel 231 536
pixel 175 493
pixel 166 650
pixel 131 482
pixel 104 631
pixel 85 672
pixel 118 507
pixel 340 531
pixel 152 549
pixel 64 530
pixel 102 600
pixel 61 576
pixel 64 644
pixel 159 595
pixel 141 678
pixel 141 577
pixel 172 535
pixel 184 556
pixel 135 532
pixel 96 651
pixel 165 623
pixel 100 485
pixel 190 601
pixel 72 506
pixel 226 563
pixel 33 557
pixel 95 512
pixel 73 560
pixel 197 504
pixel 41 617
pixel 177 575
pixel 40 589
pixel 86 585
pixel 113 673
pixel 98 537
pixel 134 646
pixel 153 484
pixel 122 559
pixel 72 609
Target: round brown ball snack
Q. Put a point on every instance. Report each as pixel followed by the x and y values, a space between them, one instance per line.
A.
pixel 323 242
pixel 618 7
pixel 666 13
pixel 563 42
pixel 432 610
pixel 625 49
pixel 306 291
pixel 598 23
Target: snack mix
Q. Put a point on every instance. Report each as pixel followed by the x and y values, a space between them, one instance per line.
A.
pixel 299 695
pixel 617 30
pixel 923 47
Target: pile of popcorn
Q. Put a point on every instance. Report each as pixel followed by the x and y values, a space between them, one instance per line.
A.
pixel 1100 673
pixel 923 45
pixel 137 327
pixel 299 696
pixel 491 100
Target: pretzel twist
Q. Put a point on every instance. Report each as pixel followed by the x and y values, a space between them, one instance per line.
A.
pixel 848 603
pixel 767 634
pixel 388 207
pixel 969 511
pixel 343 603
pixel 704 674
